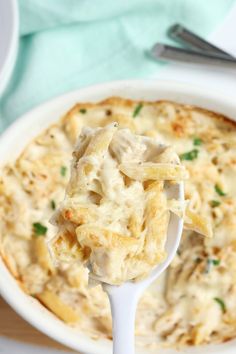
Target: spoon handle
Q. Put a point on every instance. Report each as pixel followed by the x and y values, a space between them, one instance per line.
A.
pixel 123 308
pixel 186 37
pixel 187 56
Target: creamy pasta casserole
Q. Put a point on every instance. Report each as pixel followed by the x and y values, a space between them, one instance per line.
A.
pixel 194 302
pixel 115 214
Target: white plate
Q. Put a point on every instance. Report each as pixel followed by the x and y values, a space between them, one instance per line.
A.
pixel 9 31
pixel 28 126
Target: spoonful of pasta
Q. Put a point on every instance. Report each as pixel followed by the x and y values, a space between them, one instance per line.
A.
pixel 122 217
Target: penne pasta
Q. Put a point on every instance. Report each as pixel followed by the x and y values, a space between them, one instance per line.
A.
pixel 57 306
pixel 198 223
pixel 42 254
pixel 154 171
pixel 104 227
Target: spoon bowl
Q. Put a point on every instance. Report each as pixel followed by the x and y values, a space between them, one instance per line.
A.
pixel 124 298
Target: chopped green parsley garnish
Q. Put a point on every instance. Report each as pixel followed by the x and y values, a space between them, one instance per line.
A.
pixel 39 229
pixel 215 262
pixel 83 110
pixel 215 203
pixel 219 190
pixel 191 155
pixel 63 171
pixel 53 204
pixel 211 262
pixel 137 110
pixel 221 303
pixel 197 141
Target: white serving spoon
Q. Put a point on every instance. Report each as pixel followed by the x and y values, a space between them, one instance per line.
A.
pixel 124 298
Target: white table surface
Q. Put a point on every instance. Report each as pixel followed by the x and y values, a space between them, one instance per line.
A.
pixel 28 340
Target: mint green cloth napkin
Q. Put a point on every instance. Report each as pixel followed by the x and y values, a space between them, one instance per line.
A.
pixel 68 44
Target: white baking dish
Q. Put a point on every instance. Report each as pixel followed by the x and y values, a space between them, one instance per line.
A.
pixel 25 128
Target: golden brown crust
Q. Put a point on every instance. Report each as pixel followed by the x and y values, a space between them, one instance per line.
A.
pixel 128 103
